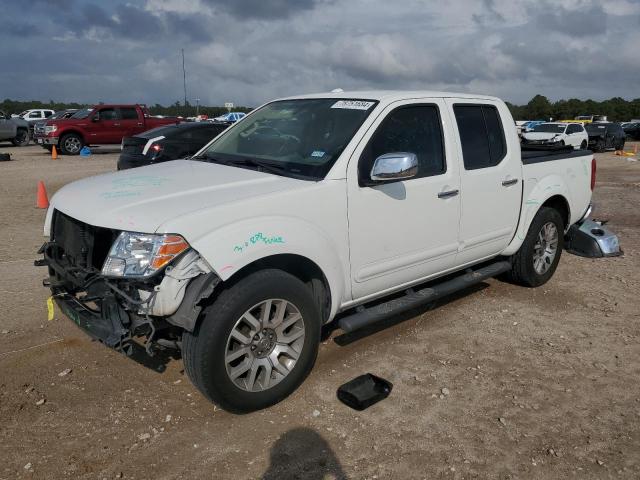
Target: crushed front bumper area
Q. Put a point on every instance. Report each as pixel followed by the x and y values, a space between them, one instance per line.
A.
pixel 110 326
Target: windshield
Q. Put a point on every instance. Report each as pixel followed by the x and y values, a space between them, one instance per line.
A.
pixel 297 138
pixel 549 128
pixel 84 113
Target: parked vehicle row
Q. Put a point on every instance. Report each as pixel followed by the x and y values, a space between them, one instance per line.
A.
pixel 310 207
pixel 99 125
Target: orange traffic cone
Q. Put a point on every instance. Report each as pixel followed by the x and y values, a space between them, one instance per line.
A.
pixel 42 201
pixel 54 153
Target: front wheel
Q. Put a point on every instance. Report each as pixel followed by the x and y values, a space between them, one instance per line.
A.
pixel 256 343
pixel 583 145
pixel 536 261
pixel 71 144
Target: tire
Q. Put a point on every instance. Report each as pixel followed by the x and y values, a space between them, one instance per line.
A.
pixel 583 145
pixel 22 138
pixel 524 270
pixel 213 354
pixel 71 144
pixel 620 144
pixel 600 146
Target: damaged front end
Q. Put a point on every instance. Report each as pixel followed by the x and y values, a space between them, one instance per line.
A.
pixel 114 300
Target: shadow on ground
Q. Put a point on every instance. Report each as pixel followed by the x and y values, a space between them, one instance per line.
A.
pixel 302 453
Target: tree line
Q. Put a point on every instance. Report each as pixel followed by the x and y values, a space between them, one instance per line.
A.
pixel 174 110
pixel 538 108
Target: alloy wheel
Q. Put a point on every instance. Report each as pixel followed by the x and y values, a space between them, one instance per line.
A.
pixel 546 248
pixel 264 345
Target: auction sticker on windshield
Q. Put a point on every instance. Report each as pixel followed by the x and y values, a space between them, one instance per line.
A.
pixel 352 104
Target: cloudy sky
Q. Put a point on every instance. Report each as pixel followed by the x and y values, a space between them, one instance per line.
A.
pixel 249 51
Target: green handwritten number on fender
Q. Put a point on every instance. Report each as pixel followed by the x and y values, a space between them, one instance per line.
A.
pixel 258 238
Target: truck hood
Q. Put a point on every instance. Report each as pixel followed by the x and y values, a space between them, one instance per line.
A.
pixel 142 199
pixel 540 135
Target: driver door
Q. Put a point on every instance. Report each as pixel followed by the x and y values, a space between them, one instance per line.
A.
pixel 105 126
pixel 407 230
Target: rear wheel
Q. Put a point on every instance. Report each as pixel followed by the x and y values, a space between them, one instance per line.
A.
pixel 600 146
pixel 536 261
pixel 71 144
pixel 256 343
pixel 22 138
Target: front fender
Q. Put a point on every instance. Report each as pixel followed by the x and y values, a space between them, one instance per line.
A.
pixel 232 247
pixel 541 191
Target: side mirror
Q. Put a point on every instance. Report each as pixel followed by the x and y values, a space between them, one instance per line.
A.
pixel 394 166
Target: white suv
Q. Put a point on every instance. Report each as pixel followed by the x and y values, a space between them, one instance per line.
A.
pixel 557 133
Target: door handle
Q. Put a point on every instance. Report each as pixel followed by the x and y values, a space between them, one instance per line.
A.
pixel 116 124
pixel 448 194
pixel 508 183
pixel 139 124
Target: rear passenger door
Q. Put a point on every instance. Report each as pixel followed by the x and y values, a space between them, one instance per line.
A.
pixel 130 122
pixel 490 176
pixel 407 230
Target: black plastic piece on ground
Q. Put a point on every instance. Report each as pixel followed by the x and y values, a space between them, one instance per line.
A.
pixel 5 157
pixel 364 391
pixel 412 299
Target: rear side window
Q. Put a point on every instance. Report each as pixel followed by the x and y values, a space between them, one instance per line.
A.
pixel 414 129
pixel 481 135
pixel 129 113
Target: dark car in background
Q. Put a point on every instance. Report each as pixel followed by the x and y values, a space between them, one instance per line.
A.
pixel 632 130
pixel 167 143
pixel 605 135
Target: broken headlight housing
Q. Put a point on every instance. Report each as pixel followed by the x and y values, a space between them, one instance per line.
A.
pixel 142 254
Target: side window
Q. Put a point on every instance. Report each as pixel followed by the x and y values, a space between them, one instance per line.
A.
pixel 108 114
pixel 35 115
pixel 414 129
pixel 48 113
pixel 481 135
pixel 129 113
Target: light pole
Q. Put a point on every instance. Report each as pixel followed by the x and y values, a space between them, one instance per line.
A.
pixel 197 107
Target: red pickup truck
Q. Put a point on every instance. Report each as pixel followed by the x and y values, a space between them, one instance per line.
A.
pixel 99 125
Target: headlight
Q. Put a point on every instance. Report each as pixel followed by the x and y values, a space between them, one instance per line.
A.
pixel 554 139
pixel 141 254
pixel 50 128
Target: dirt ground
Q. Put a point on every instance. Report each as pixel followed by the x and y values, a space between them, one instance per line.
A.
pixel 542 383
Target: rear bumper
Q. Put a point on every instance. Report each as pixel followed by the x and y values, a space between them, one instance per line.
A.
pixel 591 239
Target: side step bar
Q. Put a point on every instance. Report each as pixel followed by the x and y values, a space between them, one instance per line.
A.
pixel 368 316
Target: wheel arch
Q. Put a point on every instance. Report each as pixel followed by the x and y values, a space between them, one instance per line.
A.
pixel 301 267
pixel 551 192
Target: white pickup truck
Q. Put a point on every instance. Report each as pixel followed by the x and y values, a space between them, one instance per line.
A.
pixel 343 206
